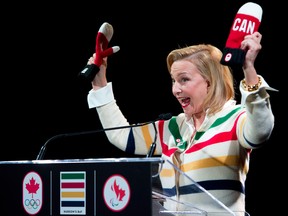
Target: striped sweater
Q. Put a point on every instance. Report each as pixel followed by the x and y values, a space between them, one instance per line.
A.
pixel 207 168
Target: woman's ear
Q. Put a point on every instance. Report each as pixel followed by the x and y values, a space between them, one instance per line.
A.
pixel 208 83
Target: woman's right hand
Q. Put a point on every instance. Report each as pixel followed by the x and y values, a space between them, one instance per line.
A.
pixel 100 79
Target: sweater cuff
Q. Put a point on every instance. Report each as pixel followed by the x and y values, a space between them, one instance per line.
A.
pixel 245 93
pixel 100 97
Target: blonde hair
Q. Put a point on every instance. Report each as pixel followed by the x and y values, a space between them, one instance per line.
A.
pixel 207 58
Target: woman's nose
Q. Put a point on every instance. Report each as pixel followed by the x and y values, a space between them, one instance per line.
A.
pixel 176 89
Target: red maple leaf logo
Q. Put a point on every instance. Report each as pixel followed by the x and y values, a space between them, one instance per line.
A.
pixel 32 186
pixel 119 192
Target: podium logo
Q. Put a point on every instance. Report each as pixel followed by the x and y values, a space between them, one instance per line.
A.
pixel 32 190
pixel 116 193
pixel 73 193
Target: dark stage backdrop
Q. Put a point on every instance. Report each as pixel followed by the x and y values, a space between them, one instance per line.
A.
pixel 45 45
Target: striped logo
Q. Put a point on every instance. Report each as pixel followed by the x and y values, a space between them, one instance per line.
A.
pixel 73 193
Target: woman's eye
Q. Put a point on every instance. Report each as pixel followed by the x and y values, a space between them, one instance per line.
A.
pixel 184 79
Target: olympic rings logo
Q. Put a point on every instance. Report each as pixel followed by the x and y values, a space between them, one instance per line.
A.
pixel 32 203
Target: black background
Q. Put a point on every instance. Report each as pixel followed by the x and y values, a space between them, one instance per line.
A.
pixel 45 45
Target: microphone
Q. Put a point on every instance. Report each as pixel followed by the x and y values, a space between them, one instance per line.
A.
pixel 166 116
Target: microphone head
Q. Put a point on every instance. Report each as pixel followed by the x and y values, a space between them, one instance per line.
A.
pixel 165 116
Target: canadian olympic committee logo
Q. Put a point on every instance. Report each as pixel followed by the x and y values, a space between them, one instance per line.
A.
pixel 228 57
pixel 116 193
pixel 32 190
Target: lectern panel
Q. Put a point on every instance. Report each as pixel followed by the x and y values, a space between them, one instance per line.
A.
pixel 76 187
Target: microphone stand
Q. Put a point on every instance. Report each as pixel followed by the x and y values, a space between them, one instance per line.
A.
pixel 151 150
pixel 44 147
pixel 153 145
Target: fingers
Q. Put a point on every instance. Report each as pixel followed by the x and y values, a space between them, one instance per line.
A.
pixel 252 41
pixel 258 35
pixel 104 62
pixel 91 59
pixel 255 36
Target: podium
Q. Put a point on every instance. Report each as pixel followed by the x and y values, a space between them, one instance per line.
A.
pixel 77 187
pixel 97 187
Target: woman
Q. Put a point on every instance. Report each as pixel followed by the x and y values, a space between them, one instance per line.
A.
pixel 211 141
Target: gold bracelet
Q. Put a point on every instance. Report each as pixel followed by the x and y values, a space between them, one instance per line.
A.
pixel 251 88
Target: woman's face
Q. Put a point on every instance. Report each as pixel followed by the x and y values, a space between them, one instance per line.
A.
pixel 189 87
